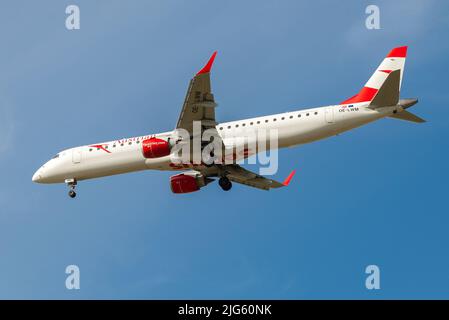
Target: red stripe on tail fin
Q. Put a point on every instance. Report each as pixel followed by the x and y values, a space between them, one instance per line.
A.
pixel 399 52
pixel 366 94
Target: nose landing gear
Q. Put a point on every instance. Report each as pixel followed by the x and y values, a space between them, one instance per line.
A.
pixel 72 194
pixel 72 184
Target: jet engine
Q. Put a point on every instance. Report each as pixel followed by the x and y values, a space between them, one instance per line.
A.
pixel 155 148
pixel 188 182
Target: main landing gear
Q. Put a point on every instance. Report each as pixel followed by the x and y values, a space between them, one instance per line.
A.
pixel 225 183
pixel 72 184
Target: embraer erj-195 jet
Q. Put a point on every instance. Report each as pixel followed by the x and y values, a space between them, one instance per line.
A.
pixel 379 98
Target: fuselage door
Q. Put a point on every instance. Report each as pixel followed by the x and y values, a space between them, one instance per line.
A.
pixel 76 155
pixel 329 115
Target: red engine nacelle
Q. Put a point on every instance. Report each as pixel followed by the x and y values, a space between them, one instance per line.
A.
pixel 155 148
pixel 182 183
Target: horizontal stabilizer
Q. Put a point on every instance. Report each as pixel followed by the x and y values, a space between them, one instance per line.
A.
pixel 407 116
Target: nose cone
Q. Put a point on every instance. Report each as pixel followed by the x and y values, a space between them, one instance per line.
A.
pixel 37 177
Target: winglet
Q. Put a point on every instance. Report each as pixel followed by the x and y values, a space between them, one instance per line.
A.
pixel 289 178
pixel 208 65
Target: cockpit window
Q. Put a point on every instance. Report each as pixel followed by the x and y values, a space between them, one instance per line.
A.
pixel 56 156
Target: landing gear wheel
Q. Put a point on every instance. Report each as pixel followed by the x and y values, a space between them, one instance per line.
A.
pixel 225 183
pixel 72 194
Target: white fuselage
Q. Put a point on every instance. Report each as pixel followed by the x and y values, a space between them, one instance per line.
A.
pixel 125 155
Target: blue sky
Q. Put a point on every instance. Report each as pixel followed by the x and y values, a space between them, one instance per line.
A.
pixel 375 195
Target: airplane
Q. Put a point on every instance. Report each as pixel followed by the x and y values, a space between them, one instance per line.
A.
pixel 377 99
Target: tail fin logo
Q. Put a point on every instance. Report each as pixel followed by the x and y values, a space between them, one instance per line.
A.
pixel 395 60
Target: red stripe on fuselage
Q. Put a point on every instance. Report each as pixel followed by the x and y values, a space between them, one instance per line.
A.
pixel 99 146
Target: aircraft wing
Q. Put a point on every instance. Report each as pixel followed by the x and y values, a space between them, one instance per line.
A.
pixel 241 175
pixel 199 103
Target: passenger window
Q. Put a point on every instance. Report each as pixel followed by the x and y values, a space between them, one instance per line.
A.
pixel 316 113
pixel 291 117
pixel 299 115
pixel 251 123
pixel 274 119
pixel 307 114
pixel 266 121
